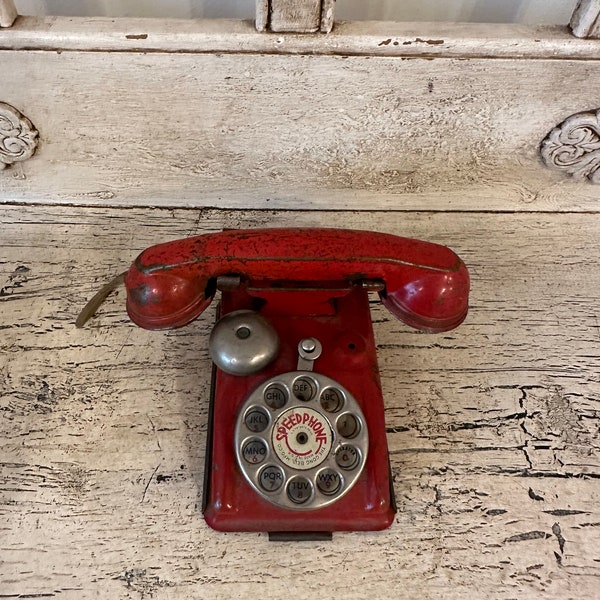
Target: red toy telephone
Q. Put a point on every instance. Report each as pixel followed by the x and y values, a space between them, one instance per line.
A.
pixel 297 443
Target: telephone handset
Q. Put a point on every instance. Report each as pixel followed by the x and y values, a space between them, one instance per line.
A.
pixel 297 439
pixel 425 285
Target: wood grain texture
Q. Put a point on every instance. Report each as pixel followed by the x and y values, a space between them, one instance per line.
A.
pixel 363 38
pixel 493 427
pixel 586 19
pixel 231 130
pixel 301 16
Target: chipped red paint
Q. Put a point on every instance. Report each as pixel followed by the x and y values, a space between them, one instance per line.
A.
pixel 426 285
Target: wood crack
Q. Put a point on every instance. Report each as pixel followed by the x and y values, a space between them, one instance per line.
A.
pixel 148 483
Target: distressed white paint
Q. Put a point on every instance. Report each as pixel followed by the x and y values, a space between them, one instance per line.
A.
pixel 492 427
pixel 18 137
pixel 574 146
pixel 247 129
pixel 404 40
pixel 302 16
pixel 586 19
pixel 261 20
pixel 308 16
pixel 327 15
pixel 8 13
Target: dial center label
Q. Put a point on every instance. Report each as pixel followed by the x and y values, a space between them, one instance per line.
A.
pixel 302 438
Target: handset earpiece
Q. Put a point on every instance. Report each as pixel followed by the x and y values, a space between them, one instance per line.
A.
pixel 165 299
pixel 430 300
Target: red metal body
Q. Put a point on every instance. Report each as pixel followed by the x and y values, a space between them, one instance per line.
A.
pixel 340 320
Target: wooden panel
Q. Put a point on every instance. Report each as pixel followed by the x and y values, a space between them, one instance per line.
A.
pixel 493 428
pixel 405 40
pixel 586 19
pixel 289 15
pixel 294 131
pixel 306 16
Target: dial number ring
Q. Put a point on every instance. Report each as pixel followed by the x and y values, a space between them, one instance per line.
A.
pixel 302 469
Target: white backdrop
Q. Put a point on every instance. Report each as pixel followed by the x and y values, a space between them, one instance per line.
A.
pixel 495 11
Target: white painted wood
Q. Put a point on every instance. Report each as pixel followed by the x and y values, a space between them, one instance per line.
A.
pixel 8 13
pixel 403 40
pixel 294 131
pixel 492 427
pixel 327 15
pixel 574 146
pixel 586 19
pixel 301 16
pixel 261 21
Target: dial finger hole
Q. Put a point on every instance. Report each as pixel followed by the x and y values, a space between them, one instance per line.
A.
pixel 271 478
pixel 304 388
pixel 348 425
pixel 329 481
pixel 275 396
pixel 254 451
pixel 332 400
pixel 299 490
pixel 256 419
pixel 347 457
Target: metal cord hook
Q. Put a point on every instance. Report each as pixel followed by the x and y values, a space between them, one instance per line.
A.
pixel 89 310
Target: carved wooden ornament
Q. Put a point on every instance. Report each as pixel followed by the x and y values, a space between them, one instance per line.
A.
pixel 574 146
pixel 18 137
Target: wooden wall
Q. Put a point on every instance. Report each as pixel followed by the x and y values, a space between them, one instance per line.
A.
pixel 215 114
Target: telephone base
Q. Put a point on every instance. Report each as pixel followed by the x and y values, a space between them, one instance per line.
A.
pixel 340 319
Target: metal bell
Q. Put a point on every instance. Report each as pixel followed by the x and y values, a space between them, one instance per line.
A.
pixel 243 343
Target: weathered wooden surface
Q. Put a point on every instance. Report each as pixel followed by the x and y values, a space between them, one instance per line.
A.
pixel 123 128
pixel 586 19
pixel 410 125
pixel 18 136
pixel 294 16
pixel 493 428
pixel 370 38
pixel 303 16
